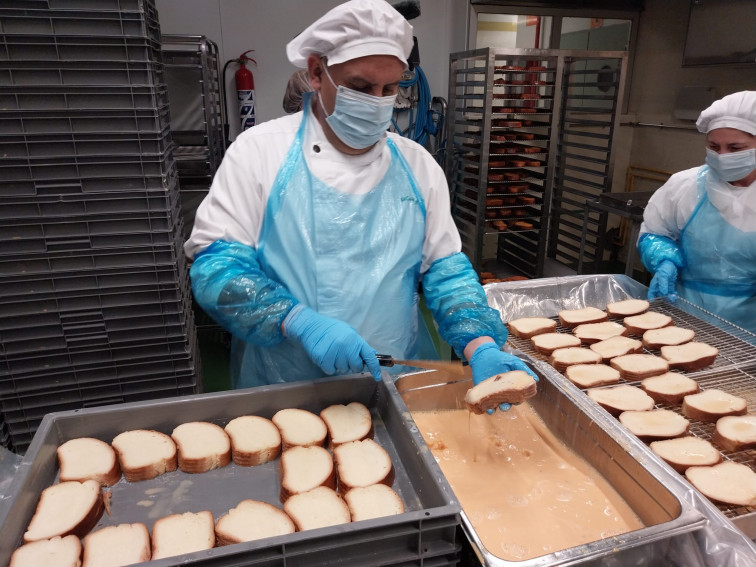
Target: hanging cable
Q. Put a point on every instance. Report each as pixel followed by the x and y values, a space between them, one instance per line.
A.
pixel 421 117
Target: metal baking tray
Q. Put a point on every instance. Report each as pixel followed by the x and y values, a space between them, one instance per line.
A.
pixel 427 533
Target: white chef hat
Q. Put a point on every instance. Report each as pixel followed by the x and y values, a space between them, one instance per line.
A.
pixel 737 110
pixel 357 28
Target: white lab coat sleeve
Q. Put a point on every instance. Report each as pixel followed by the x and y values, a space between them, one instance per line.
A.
pixel 671 206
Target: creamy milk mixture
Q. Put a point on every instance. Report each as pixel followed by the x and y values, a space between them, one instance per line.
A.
pixel 524 491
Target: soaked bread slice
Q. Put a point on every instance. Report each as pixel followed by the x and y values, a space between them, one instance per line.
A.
pixel 144 454
pixel 590 333
pixel 182 533
pixel 616 346
pixel 591 375
pixel 735 432
pixel 202 446
pixel 712 404
pixel 527 327
pixel 654 424
pixel 252 520
pixel 561 358
pixel 304 468
pixel 574 317
pixel 87 458
pixel 57 551
pixel 639 324
pixel 318 508
pixel 509 387
pixel 66 508
pixel 670 387
pixel 254 440
pixel 667 336
pixel 690 356
pixel 123 544
pixel 685 452
pixel 345 423
pixel 727 482
pixel 627 307
pixel 362 463
pixel 616 399
pixel 549 342
pixel 639 366
pixel 376 501
pixel 300 427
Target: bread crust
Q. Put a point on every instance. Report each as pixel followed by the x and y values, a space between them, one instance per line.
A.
pixel 185 438
pixel 295 505
pixel 141 543
pixel 573 317
pixel 251 428
pixel 705 453
pixel 654 424
pixel 543 325
pixel 669 388
pixel 161 524
pixel 107 472
pixel 639 324
pixel 727 482
pixel 359 502
pixel 316 430
pixel 667 336
pixel 627 307
pixel 545 343
pixel 79 529
pixel 225 527
pixel 735 432
pixel 700 356
pixel 590 333
pixel 366 449
pixel 160 464
pixel 639 366
pixel 64 547
pixel 616 346
pixel 632 399
pixel 508 387
pixel 694 405
pixel 287 467
pixel 360 423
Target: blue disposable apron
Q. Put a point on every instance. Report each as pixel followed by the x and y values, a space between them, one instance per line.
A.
pixel 352 257
pixel 720 262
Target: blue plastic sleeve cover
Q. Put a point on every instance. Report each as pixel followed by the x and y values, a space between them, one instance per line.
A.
pixel 459 305
pixel 230 286
pixel 654 249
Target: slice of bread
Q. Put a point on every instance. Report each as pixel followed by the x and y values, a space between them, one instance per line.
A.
pixel 590 375
pixel 66 508
pixel 182 533
pixel 318 508
pixel 667 336
pixel 509 387
pixel 639 324
pixel 376 501
pixel 345 423
pixel 561 358
pixel 685 452
pixel 727 482
pixel 616 399
pixel 87 458
pixel 252 520
pixel 549 342
pixel 300 427
pixel 710 405
pixel 254 440
pixel 690 356
pixel 590 333
pixel 113 546
pixel 735 432
pixel 201 446
pixel 574 317
pixel 616 346
pixel 362 463
pixel 649 425
pixel 627 307
pixel 144 454
pixel 639 366
pixel 304 468
pixel 527 327
pixel 54 552
pixel 670 387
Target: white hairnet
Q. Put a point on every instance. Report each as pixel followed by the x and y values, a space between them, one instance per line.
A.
pixel 736 110
pixel 357 28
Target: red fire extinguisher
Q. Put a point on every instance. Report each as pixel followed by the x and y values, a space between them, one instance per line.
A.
pixel 245 91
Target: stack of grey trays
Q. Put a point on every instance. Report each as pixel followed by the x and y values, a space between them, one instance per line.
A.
pixel 95 302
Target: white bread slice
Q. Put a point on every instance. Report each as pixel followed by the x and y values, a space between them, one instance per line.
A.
pixel 304 468
pixel 54 552
pixel 654 424
pixel 574 317
pixel 639 324
pixel 616 346
pixel 508 387
pixel 549 342
pixel 317 508
pixel 590 333
pixel 376 501
pixel 590 375
pixel 66 508
pixel 300 427
pixel 627 307
pixel 639 366
pixel 88 458
pixel 114 546
pixel 667 336
pixel 144 454
pixel 182 533
pixel 202 446
pixel 345 423
pixel 728 482
pixel 527 327
pixel 735 432
pixel 685 452
pixel 690 356
pixel 616 399
pixel 252 520
pixel 362 463
pixel 254 440
pixel 710 405
pixel 561 358
pixel 670 387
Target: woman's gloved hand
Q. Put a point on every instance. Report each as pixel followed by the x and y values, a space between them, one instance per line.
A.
pixel 332 344
pixel 663 282
pixel 488 360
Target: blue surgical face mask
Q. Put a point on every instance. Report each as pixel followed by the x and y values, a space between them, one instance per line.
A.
pixel 358 119
pixel 734 166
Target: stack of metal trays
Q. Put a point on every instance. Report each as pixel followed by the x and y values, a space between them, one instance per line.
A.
pixel 94 290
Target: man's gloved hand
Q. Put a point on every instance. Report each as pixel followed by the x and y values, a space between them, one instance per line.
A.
pixel 332 344
pixel 488 360
pixel 663 282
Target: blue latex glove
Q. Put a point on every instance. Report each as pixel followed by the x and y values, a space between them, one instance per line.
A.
pixel 332 344
pixel 663 282
pixel 488 360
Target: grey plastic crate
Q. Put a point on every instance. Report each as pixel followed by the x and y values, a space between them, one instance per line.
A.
pixel 143 122
pixel 79 48
pixel 80 73
pixel 91 5
pixel 426 534
pixel 101 97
